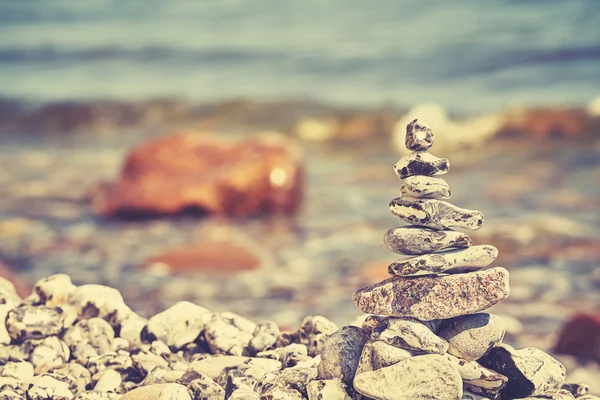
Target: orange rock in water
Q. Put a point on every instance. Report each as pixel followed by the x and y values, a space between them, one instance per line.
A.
pixel 546 123
pixel 580 337
pixel 189 171
pixel 212 257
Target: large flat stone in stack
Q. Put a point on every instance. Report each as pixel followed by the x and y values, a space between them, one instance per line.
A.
pixel 435 214
pixel 416 240
pixel 434 297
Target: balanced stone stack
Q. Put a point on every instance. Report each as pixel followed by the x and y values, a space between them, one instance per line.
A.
pixel 429 338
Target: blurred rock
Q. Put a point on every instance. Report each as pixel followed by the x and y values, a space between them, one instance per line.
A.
pixel 185 172
pixel 540 123
pixel 19 283
pixel 580 337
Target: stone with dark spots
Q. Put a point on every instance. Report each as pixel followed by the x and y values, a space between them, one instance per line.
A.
pixel 451 262
pixel 478 379
pixel 409 334
pixel 418 378
pixel 34 322
pixel 419 186
pixel 341 353
pixel 530 371
pixel 435 214
pixel 471 336
pixel 419 136
pixel 421 163
pixel 434 297
pixel 416 240
pixel 576 389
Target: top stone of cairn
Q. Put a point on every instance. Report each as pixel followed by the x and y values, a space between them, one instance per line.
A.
pixel 419 136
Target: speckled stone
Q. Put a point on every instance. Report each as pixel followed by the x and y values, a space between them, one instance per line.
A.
pixel 229 333
pixel 179 325
pixel 409 334
pixel 440 297
pixel 471 336
pixel 341 353
pixel 377 354
pixel 313 333
pixel 416 240
pixel 421 163
pixel 330 389
pixel 425 187
pixel 450 262
pixel 478 379
pixel 91 301
pixel 49 353
pixel 296 378
pixel 29 322
pixel 53 291
pixel 416 378
pixel 89 338
pixel 530 371
pixel 435 214
pixel 419 136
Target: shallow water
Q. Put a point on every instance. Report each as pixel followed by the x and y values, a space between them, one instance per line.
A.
pixel 466 56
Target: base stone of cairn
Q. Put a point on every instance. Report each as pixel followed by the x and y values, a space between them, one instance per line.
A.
pixel 429 334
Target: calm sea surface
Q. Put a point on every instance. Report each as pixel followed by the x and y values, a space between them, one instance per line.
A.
pixel 468 56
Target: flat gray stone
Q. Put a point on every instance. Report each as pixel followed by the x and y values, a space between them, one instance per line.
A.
pixel 409 334
pixel 419 136
pixel 421 163
pixel 341 353
pixel 530 371
pixel 416 378
pixel 416 240
pixel 450 262
pixel 377 354
pixel 471 336
pixel 478 379
pixel 425 187
pixel 434 297
pixel 437 214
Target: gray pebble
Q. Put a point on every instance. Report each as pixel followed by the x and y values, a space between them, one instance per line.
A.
pixel 313 333
pixel 341 354
pixel 419 136
pixel 478 379
pixel 244 394
pixel 29 322
pixel 48 354
pixel 530 371
pixel 377 354
pixel 409 334
pixel 89 338
pixel 264 337
pixel 425 187
pixel 421 163
pixel 458 261
pixel 437 214
pixel 47 388
pixel 416 240
pixel 471 336
pixel 330 389
pixel 230 334
pixel 179 325
pixel 53 291
pixel 416 378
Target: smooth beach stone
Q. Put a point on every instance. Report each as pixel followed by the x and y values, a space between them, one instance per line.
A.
pixel 419 186
pixel 435 214
pixel 330 389
pixel 164 391
pixel 478 379
pixel 530 371
pixel 53 291
pixel 34 322
pixel 419 136
pixel 416 240
pixel 178 325
pixel 417 378
pixel 471 336
pixel 410 334
pixel 341 353
pixel 434 297
pixel 451 262
pixel 421 163
pixel 378 354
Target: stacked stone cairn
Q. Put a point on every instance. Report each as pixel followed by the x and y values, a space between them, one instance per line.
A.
pixel 428 337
